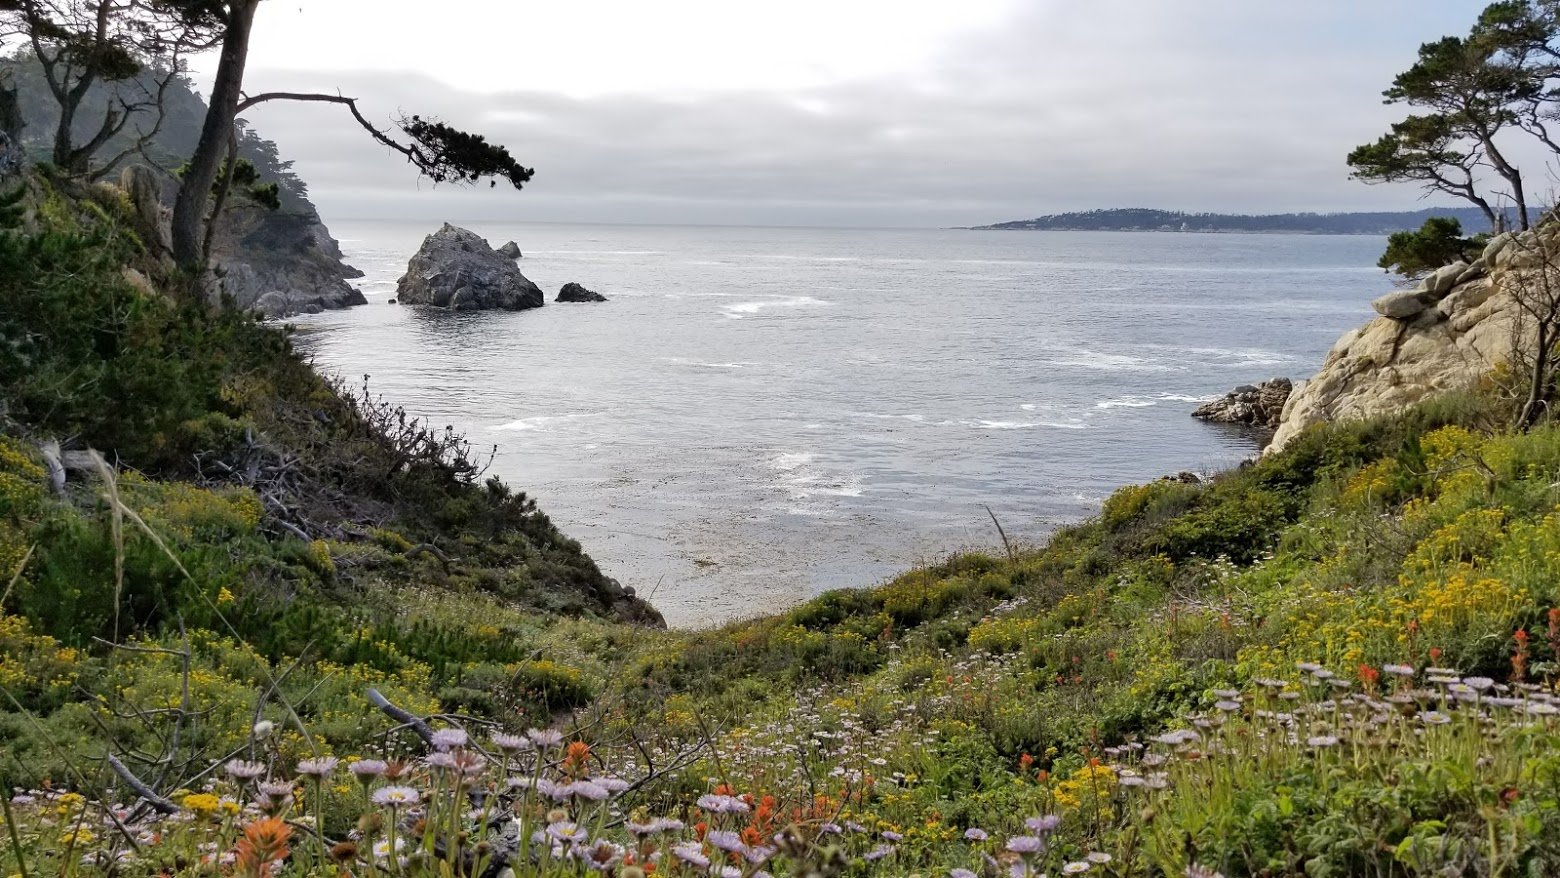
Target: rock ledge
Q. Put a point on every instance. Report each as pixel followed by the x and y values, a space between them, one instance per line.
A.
pixel 1254 405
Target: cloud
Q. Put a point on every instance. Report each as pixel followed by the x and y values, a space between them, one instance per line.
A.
pixel 1215 105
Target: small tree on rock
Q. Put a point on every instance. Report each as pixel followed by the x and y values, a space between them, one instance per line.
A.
pixel 1438 242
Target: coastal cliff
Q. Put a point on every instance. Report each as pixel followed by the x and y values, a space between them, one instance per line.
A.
pixel 283 263
pixel 1449 331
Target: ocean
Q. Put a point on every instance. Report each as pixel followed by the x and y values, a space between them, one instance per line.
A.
pixel 761 414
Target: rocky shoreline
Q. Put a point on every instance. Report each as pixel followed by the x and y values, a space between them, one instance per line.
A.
pixel 1249 405
pixel 1453 328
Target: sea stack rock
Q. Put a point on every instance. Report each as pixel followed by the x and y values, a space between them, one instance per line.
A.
pixel 457 269
pixel 1254 405
pixel 573 292
pixel 512 250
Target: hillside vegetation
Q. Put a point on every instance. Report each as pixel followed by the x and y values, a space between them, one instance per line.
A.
pixel 1339 660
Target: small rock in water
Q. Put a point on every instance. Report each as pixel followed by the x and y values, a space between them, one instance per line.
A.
pixel 512 250
pixel 573 292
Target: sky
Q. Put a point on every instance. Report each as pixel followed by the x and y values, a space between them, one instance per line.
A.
pixel 848 112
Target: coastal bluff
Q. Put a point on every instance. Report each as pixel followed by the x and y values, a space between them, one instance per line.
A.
pixel 1444 334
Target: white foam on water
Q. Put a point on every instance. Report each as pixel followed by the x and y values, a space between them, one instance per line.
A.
pixel 1109 362
pixel 1125 402
pixel 745 309
pixel 1235 356
pixel 792 460
pixel 543 422
pixel 567 253
pixel 801 481
pixel 684 361
pixel 1138 402
pixel 1015 425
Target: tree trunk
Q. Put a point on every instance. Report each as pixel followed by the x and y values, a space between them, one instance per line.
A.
pixel 1497 220
pixel 1512 175
pixel 1540 381
pixel 189 211
pixel 11 125
pixel 62 135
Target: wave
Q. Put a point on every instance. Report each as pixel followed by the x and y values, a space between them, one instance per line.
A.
pixel 1138 402
pixel 790 461
pixel 790 257
pixel 1125 402
pixel 979 423
pixel 801 480
pixel 531 254
pixel 1016 425
pixel 543 422
pixel 1109 362
pixel 684 361
pixel 744 309
pixel 1240 357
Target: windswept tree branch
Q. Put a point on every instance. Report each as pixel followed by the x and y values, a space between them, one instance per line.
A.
pixel 437 150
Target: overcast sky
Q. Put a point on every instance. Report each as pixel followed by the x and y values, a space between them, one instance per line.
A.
pixel 849 112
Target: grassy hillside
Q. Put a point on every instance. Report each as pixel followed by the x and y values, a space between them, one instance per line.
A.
pixel 1340 660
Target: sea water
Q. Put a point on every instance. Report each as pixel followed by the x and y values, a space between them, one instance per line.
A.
pixel 760 414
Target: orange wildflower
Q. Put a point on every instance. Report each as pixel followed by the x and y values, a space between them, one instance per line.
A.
pixel 576 756
pixel 264 844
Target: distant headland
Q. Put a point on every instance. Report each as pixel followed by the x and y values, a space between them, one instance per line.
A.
pixel 1149 220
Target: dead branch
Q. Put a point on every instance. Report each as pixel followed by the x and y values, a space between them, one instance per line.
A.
pixel 402 716
pixel 158 803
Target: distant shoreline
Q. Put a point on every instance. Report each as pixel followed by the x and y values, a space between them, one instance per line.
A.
pixel 1317 232
pixel 1144 219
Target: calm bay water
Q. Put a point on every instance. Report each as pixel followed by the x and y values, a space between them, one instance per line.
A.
pixel 761 414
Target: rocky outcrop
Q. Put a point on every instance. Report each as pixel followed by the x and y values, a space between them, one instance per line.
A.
pixel 511 249
pixel 1252 405
pixel 278 262
pixel 573 292
pixel 457 269
pixel 281 264
pixel 1445 334
pixel 144 189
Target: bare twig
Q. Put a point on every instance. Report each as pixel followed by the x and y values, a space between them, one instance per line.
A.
pixel 1012 556
pixel 17 576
